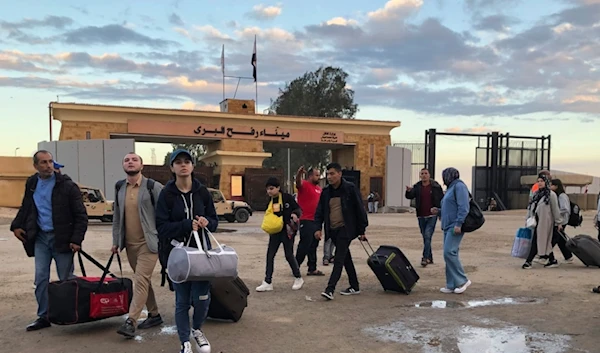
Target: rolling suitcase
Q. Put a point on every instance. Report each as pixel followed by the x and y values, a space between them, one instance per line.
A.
pixel 392 268
pixel 229 298
pixel 586 248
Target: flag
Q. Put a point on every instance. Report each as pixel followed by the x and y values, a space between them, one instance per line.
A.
pixel 223 59
pixel 254 60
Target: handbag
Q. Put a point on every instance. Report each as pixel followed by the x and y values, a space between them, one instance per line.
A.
pixel 531 222
pixel 272 223
pixel 522 243
pixel 188 264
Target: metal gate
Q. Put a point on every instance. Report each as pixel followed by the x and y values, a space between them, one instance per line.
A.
pixel 500 161
pixel 254 186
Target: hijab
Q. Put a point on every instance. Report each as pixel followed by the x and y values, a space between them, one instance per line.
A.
pixel 542 193
pixel 449 175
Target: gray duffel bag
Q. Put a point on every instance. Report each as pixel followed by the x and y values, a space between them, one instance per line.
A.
pixel 188 264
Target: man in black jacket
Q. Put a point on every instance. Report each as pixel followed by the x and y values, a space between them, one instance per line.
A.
pixel 341 209
pixel 51 223
pixel 427 193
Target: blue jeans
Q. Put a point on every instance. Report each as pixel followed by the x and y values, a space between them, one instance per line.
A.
pixel 44 253
pixel 455 274
pixel 196 294
pixel 427 227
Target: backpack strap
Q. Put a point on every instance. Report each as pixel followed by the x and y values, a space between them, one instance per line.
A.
pixel 118 186
pixel 150 186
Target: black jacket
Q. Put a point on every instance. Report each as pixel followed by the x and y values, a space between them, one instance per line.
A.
pixel 437 193
pixel 172 221
pixel 69 215
pixel 355 216
pixel 289 206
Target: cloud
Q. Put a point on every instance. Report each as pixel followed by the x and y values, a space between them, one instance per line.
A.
pixel 262 12
pixel 56 22
pixel 175 20
pixel 112 35
pixel 204 107
pixel 471 130
pixel 497 23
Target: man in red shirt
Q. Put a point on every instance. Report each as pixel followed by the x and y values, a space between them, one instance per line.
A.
pixel 309 193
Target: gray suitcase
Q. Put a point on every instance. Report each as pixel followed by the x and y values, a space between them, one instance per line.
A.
pixel 586 248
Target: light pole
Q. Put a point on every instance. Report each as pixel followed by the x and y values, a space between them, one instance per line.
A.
pixel 16 149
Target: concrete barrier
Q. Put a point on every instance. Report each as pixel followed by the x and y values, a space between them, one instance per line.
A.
pixel 14 171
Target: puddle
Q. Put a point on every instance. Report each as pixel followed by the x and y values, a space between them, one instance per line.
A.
pixel 471 339
pixel 449 304
pixel 168 330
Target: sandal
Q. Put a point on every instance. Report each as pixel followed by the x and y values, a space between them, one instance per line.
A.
pixel 315 273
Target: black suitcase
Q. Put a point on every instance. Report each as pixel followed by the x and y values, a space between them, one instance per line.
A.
pixel 586 248
pixel 228 299
pixel 86 299
pixel 392 268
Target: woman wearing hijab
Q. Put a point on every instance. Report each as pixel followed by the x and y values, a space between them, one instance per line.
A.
pixel 544 208
pixel 454 210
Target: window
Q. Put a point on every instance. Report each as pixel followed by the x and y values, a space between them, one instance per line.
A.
pixel 236 185
pixel 216 195
pixel 88 135
pixel 371 154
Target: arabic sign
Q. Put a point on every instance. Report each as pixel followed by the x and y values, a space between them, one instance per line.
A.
pixel 222 132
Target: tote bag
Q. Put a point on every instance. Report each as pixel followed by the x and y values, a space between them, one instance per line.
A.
pixel 272 224
pixel 522 243
pixel 188 264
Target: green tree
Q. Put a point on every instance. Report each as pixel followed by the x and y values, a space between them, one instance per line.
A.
pixel 196 150
pixel 322 93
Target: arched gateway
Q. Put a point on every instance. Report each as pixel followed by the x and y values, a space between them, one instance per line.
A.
pixel 235 137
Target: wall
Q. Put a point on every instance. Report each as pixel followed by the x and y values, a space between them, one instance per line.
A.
pixel 398 175
pixel 14 171
pixel 75 130
pixel 95 163
pixel 362 159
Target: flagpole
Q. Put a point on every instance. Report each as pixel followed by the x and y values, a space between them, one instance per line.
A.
pixel 223 68
pixel 256 82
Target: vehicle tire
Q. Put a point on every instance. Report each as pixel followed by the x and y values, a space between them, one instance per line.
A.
pixel 242 215
pixel 229 218
pixel 106 219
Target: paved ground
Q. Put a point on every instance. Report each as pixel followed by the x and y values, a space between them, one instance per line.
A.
pixel 563 318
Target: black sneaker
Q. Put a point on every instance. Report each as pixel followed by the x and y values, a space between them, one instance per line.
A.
pixel 38 324
pixel 423 262
pixel 151 321
pixel 551 264
pixel 527 266
pixel 127 329
pixel 327 294
pixel 350 291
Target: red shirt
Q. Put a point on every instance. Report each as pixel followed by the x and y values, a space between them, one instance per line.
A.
pixel 308 199
pixel 426 204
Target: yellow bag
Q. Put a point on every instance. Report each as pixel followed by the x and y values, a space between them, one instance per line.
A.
pixel 272 224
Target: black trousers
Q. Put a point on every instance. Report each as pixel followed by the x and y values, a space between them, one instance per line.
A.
pixel 557 238
pixel 307 247
pixel 343 259
pixel 288 247
pixel 534 248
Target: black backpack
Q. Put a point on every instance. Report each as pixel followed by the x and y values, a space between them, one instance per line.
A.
pixel 575 219
pixel 149 185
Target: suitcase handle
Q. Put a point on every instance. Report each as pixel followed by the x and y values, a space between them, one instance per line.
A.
pixel 363 245
pixel 107 271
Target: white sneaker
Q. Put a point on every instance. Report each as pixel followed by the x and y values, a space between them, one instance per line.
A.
pixel 446 290
pixel 200 341
pixel 186 348
pixel 265 287
pixel 464 287
pixel 298 283
pixel 569 261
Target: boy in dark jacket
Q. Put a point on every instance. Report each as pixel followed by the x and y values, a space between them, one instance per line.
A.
pixel 428 194
pixel 342 210
pixel 183 206
pixel 291 212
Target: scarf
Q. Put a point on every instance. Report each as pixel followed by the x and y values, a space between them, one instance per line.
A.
pixel 542 193
pixel 449 175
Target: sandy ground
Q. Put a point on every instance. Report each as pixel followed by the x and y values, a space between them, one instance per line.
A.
pixel 564 318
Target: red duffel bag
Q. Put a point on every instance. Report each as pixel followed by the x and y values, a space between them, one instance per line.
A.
pixel 86 299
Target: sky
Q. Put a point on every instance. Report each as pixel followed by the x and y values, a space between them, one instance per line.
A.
pixel 516 66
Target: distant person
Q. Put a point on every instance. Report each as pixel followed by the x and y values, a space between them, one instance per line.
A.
pixel 454 211
pixel 341 209
pixel 284 206
pixel 546 212
pixel 134 229
pixel 373 201
pixel 597 217
pixel 51 223
pixel 427 194
pixel 308 196
pixel 185 205
pixel 564 205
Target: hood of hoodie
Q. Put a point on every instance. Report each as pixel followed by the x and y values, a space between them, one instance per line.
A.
pixel 172 188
